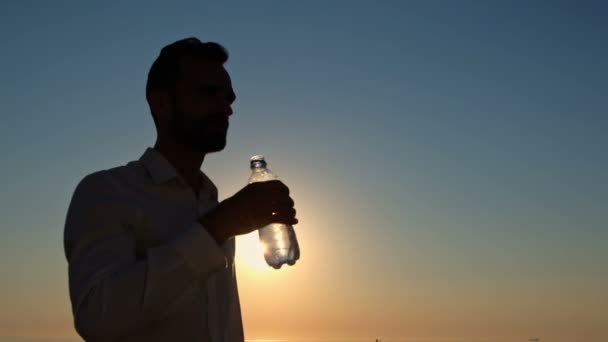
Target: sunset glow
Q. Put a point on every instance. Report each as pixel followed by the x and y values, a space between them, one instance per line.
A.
pixel 447 161
pixel 250 253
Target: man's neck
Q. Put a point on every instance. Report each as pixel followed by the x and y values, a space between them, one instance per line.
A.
pixel 186 161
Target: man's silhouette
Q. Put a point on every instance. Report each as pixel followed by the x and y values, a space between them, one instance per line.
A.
pixel 150 250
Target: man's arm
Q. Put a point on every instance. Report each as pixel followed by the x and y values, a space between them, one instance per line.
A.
pixel 112 291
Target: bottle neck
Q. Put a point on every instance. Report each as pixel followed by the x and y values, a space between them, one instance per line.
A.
pixel 258 164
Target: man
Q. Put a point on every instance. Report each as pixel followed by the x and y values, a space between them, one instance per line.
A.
pixel 150 250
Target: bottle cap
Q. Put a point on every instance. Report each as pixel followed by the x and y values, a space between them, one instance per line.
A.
pixel 257 161
pixel 257 157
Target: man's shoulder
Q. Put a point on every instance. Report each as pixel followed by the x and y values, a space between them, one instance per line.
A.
pixel 99 195
pixel 112 180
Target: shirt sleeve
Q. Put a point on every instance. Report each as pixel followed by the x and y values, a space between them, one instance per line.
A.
pixel 114 292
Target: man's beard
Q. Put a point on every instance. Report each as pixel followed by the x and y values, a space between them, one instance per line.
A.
pixel 205 135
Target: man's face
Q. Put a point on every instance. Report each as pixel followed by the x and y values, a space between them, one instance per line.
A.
pixel 202 101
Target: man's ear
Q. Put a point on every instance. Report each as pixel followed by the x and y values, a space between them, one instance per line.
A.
pixel 160 103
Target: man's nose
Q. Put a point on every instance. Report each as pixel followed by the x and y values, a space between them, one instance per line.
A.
pixel 227 105
pixel 227 111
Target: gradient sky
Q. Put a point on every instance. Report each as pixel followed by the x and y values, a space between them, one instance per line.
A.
pixel 448 161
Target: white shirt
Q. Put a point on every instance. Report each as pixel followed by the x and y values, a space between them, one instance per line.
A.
pixel 141 266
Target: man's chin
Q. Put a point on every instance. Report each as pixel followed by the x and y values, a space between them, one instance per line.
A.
pixel 211 147
pixel 203 144
pixel 216 149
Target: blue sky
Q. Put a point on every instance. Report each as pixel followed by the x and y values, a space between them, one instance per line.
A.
pixel 432 144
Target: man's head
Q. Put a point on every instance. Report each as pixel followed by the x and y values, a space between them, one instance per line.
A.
pixel 190 94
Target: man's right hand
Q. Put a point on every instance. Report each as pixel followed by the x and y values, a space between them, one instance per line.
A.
pixel 253 207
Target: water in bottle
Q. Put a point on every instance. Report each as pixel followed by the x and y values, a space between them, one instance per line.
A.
pixel 279 240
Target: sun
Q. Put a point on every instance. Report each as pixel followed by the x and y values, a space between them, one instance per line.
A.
pixel 249 252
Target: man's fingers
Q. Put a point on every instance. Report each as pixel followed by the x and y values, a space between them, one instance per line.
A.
pixel 269 202
pixel 287 216
pixel 284 220
pixel 285 207
pixel 287 212
pixel 282 202
pixel 269 192
pixel 290 212
pixel 275 186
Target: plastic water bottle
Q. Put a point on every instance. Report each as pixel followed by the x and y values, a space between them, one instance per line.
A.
pixel 278 240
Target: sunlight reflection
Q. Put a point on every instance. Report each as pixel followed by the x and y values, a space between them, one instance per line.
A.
pixel 250 252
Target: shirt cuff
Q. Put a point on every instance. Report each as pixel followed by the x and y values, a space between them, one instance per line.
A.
pixel 200 250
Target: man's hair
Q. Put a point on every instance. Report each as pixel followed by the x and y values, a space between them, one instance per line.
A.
pixel 164 72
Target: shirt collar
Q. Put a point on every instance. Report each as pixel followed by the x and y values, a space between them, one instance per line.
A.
pixel 162 171
pixel 158 166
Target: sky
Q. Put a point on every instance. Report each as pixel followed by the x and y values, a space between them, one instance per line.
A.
pixel 447 159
